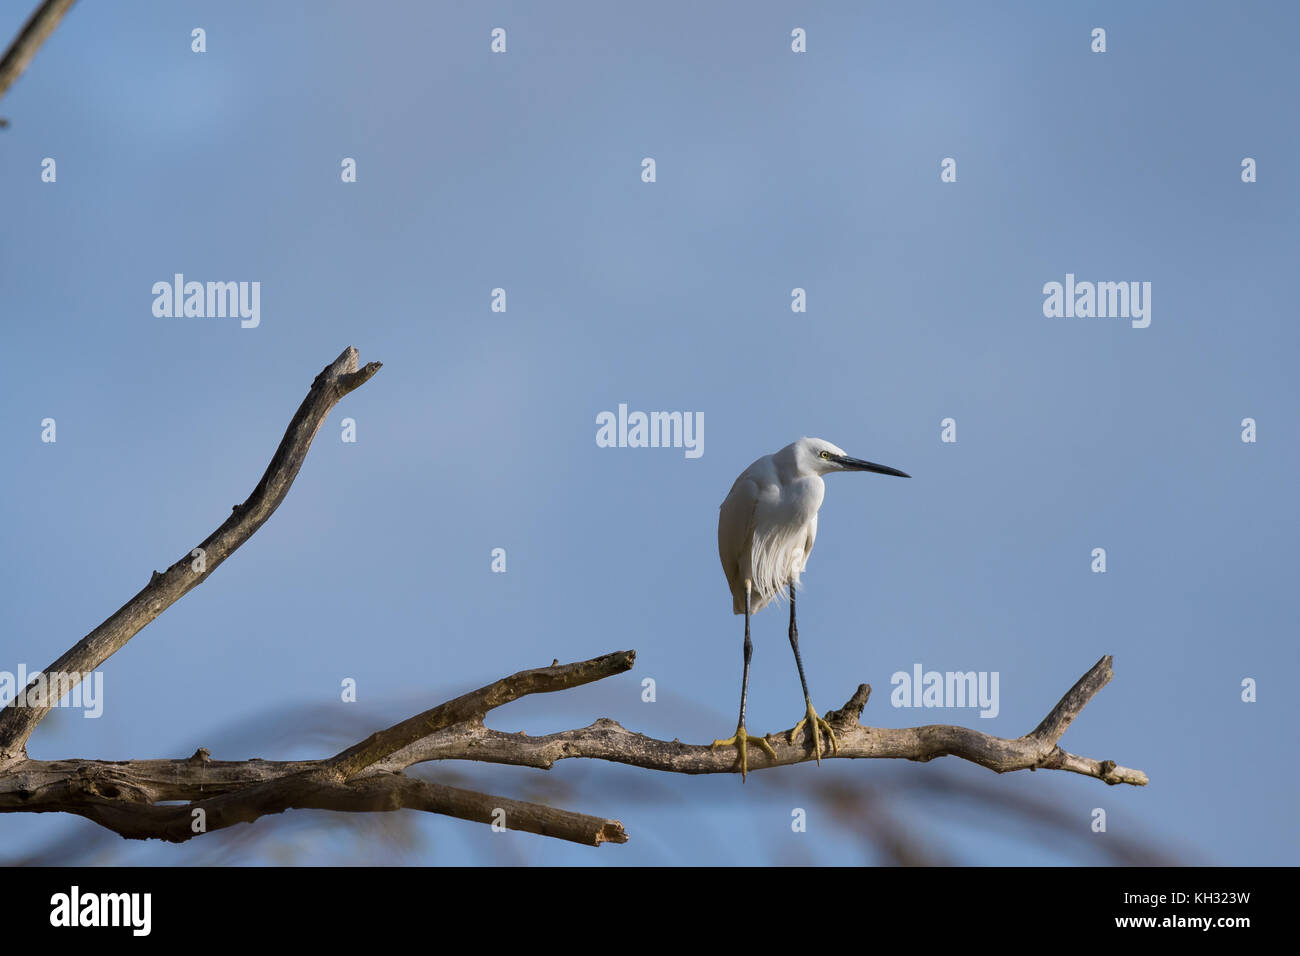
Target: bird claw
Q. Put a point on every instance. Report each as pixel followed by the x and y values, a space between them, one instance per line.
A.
pixel 739 741
pixel 818 725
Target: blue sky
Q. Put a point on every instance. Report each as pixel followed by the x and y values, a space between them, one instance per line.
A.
pixel 775 170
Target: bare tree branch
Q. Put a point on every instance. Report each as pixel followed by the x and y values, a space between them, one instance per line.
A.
pixel 29 707
pixel 176 800
pixel 475 705
pixel 125 796
pixel 34 32
pixel 128 812
pixel 607 740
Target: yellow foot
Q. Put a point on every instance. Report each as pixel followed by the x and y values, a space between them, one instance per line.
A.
pixel 818 725
pixel 742 737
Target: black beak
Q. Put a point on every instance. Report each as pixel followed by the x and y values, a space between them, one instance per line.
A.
pixel 857 464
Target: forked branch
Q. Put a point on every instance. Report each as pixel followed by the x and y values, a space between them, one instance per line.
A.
pixel 607 740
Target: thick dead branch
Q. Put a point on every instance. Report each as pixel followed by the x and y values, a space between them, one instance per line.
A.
pixel 127 812
pixel 126 796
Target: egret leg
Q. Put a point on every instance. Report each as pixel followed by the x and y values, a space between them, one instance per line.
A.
pixel 810 718
pixel 742 736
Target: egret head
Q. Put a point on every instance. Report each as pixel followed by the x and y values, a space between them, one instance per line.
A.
pixel 820 457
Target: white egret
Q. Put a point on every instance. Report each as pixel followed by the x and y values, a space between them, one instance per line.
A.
pixel 766 529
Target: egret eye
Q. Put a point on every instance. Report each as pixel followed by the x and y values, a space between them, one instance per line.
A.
pixel 826 455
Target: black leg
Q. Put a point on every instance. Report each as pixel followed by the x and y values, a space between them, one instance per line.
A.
pixel 742 738
pixel 816 725
pixel 749 652
pixel 794 642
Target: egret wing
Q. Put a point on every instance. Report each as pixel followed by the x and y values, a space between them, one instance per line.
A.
pixel 735 537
